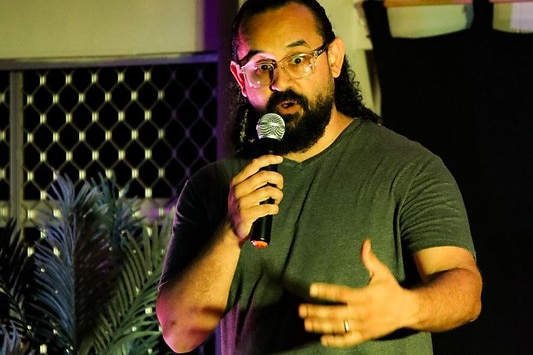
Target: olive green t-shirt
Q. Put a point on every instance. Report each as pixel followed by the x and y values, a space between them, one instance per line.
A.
pixel 370 183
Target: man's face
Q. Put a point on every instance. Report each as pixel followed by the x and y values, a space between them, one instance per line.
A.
pixel 304 103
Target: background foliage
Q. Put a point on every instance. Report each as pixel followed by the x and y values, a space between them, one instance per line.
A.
pixel 89 284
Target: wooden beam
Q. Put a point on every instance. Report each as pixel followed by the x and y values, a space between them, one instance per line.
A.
pixel 509 1
pixel 394 3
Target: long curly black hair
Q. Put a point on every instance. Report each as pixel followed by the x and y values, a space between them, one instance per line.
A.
pixel 348 97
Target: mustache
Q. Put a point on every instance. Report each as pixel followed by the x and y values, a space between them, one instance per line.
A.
pixel 288 95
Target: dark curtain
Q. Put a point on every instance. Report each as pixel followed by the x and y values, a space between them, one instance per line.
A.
pixel 468 97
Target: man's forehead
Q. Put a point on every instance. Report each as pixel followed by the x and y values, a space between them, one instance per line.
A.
pixel 277 30
pixel 247 50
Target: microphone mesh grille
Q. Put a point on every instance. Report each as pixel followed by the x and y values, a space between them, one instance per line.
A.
pixel 271 125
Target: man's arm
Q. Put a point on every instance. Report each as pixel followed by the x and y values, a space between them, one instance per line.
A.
pixel 190 306
pixel 451 293
pixel 449 297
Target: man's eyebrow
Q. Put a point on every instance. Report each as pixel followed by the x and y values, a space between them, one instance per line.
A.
pixel 247 57
pixel 253 52
pixel 298 43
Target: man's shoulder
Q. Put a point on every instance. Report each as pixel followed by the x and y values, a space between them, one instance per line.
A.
pixel 380 138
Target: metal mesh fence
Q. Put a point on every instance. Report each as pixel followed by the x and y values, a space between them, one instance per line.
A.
pixel 150 127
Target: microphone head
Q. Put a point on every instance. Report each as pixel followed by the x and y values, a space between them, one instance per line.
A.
pixel 270 125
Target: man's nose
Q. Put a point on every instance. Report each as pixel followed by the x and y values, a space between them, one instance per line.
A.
pixel 281 80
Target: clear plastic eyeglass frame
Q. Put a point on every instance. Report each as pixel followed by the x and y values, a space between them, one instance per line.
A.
pixel 297 66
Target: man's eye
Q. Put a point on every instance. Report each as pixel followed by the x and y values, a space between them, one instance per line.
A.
pixel 297 60
pixel 264 67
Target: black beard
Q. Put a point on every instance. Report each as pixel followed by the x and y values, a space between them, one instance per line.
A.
pixel 301 133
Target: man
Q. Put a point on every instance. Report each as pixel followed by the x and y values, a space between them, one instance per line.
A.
pixel 371 249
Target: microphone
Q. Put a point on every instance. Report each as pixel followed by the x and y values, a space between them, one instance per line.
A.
pixel 270 130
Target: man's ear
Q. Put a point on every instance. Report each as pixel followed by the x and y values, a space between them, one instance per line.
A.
pixel 336 52
pixel 239 77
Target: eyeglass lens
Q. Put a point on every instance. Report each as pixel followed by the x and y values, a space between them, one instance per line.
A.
pixel 297 66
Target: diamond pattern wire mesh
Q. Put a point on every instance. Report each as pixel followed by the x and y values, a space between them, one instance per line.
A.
pixel 150 127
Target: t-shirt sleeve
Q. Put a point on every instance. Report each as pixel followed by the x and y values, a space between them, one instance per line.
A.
pixel 433 212
pixel 199 211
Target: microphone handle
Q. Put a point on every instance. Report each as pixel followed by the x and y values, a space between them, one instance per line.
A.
pixel 260 237
pixel 260 233
pixel 262 227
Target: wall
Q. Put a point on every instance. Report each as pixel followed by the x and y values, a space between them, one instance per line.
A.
pixel 349 23
pixel 100 28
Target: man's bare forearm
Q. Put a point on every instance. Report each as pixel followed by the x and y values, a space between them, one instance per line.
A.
pixel 448 300
pixel 190 307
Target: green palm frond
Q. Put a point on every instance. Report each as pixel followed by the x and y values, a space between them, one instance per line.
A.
pixel 131 314
pixel 54 284
pixel 12 344
pixel 90 285
pixel 121 212
pixel 15 275
pixel 82 204
pixel 72 267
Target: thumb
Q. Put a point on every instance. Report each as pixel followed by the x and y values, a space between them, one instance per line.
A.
pixel 371 262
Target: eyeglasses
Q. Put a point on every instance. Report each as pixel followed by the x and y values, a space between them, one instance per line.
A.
pixel 297 66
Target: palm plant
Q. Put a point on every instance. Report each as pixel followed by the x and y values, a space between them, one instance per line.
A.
pixel 88 285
